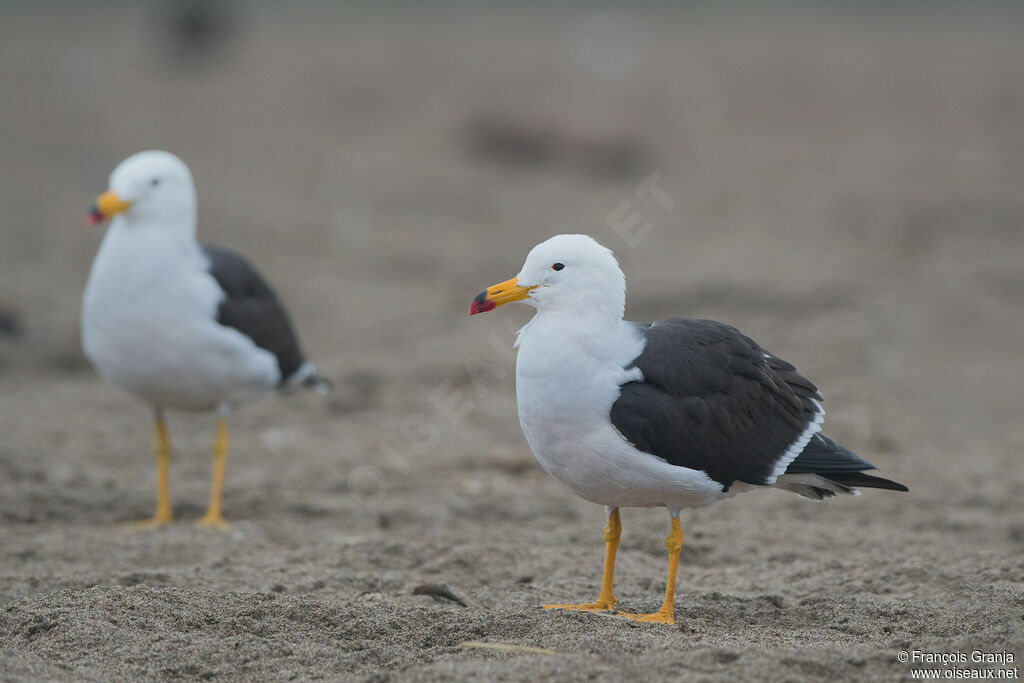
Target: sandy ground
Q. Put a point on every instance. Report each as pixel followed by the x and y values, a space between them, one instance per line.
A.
pixel 846 189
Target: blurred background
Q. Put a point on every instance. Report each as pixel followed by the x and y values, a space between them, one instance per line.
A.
pixel 842 182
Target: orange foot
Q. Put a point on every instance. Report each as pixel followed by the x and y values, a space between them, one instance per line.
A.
pixel 602 605
pixel 662 616
pixel 212 521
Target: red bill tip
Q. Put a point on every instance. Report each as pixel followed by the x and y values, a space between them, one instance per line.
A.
pixel 94 217
pixel 481 304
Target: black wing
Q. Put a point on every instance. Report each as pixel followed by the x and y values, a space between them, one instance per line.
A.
pixel 713 400
pixel 251 307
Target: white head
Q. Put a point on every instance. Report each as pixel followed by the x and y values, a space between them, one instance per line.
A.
pixel 571 274
pixel 153 188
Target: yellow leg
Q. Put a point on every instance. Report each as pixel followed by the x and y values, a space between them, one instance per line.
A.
pixel 213 517
pixel 162 450
pixel 665 615
pixel 606 600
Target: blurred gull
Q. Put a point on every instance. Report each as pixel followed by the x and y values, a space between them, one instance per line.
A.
pixel 179 324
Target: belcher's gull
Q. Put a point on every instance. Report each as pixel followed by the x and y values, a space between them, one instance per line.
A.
pixel 179 324
pixel 678 414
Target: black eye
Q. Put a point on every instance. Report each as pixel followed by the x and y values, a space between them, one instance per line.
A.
pixel 557 266
pixel 154 182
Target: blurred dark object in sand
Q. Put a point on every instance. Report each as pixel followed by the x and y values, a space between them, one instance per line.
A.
pixel 529 144
pixel 439 592
pixel 197 30
pixel 10 324
pixel 10 328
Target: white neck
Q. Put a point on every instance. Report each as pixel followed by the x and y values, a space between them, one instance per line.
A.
pixel 179 227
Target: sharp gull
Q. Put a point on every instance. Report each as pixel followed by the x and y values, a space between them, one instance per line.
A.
pixel 678 413
pixel 179 324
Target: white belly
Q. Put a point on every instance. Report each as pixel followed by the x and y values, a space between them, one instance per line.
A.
pixel 602 467
pixel 149 326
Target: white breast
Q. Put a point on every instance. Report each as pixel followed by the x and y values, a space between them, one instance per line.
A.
pixel 149 325
pixel 565 391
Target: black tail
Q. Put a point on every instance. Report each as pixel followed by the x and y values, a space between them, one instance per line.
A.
pixel 827 459
pixel 863 481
